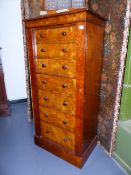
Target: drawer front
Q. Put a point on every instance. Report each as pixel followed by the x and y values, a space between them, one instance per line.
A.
pixel 56 51
pixel 58 135
pixel 57 118
pixel 58 84
pixel 56 67
pixel 66 34
pixel 61 102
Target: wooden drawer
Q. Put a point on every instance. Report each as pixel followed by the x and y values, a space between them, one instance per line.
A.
pixel 56 67
pixel 58 84
pixel 63 120
pixel 61 102
pixel 56 51
pixel 66 34
pixel 58 135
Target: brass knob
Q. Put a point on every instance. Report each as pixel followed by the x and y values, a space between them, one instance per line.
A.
pixel 43 65
pixel 64 33
pixel 65 122
pixel 66 139
pixel 44 81
pixel 45 98
pixel 64 66
pixel 42 35
pixel 65 103
pixel 46 115
pixel 64 85
pixel 65 50
pixel 43 50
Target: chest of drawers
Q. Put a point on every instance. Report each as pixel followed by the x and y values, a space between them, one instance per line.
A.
pixel 65 58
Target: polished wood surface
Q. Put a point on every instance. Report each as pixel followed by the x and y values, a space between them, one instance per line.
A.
pixel 58 135
pixel 61 102
pixel 80 87
pixel 63 68
pixel 93 63
pixel 57 35
pixel 65 54
pixel 64 153
pixel 71 17
pixel 57 84
pixel 56 51
pixel 57 118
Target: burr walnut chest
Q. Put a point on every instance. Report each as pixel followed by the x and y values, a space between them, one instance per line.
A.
pixel 65 60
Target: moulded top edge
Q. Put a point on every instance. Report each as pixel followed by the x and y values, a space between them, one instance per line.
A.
pixel 72 11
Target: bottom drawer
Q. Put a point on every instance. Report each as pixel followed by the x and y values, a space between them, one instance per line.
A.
pixel 58 135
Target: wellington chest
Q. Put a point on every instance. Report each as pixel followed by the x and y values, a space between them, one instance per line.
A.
pixel 65 60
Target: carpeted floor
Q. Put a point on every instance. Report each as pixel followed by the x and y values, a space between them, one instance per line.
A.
pixel 19 155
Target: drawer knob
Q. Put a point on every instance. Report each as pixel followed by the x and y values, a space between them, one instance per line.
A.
pixel 46 115
pixel 65 122
pixel 47 132
pixel 43 65
pixel 66 139
pixel 65 50
pixel 44 81
pixel 45 98
pixel 64 66
pixel 65 103
pixel 43 50
pixel 42 35
pixel 64 33
pixel 64 85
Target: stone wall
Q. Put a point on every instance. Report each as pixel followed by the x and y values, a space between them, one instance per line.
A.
pixel 116 34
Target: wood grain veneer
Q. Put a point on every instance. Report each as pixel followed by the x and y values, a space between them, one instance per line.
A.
pixel 57 84
pixel 65 55
pixel 56 51
pixel 64 68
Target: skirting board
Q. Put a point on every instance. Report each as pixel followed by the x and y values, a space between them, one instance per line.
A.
pixel 18 101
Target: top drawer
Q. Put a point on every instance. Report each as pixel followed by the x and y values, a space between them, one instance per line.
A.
pixel 56 35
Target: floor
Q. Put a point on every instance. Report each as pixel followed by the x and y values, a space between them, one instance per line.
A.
pixel 19 155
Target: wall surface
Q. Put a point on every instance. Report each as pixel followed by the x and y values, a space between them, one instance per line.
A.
pixel 13 52
pixel 123 145
pixel 116 34
pixel 125 112
pixel 122 151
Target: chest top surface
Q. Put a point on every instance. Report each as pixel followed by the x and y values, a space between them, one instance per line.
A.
pixel 72 16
